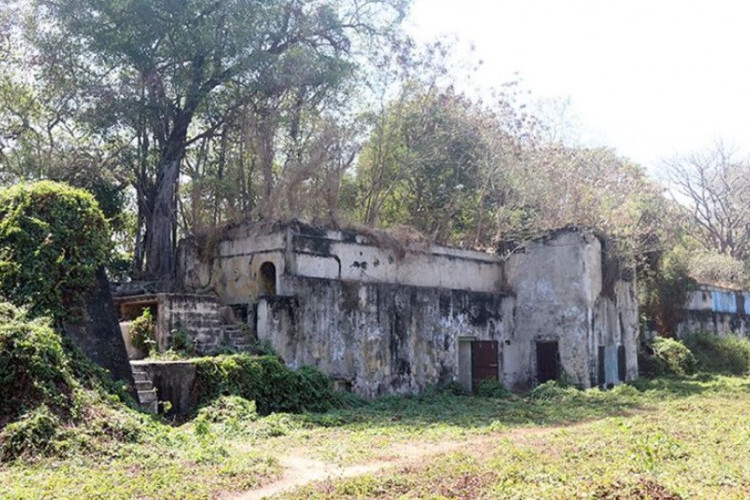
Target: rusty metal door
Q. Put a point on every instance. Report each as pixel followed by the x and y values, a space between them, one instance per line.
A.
pixel 484 365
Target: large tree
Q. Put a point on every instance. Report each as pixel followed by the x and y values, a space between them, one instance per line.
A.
pixel 164 75
pixel 714 187
pixel 434 161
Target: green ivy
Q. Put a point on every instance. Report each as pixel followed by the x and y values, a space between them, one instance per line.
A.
pixel 52 398
pixel 53 238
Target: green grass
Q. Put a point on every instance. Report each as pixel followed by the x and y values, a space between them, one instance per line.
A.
pixel 165 463
pixel 689 437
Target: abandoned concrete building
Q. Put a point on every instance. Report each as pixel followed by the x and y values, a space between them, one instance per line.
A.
pixel 717 310
pixel 381 317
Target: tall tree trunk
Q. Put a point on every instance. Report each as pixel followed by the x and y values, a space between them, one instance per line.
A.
pixel 161 227
pixel 160 245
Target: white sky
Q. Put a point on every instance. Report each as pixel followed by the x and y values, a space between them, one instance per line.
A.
pixel 650 78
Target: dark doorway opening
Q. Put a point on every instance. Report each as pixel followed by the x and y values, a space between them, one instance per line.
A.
pixel 602 369
pixel 484 361
pixel 267 281
pixel 547 361
pixel 622 366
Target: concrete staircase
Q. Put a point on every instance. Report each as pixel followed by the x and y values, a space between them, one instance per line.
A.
pixel 238 336
pixel 147 396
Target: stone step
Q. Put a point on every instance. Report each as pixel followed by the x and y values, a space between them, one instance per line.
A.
pixel 145 385
pixel 205 346
pixel 145 397
pixel 141 376
pixel 152 407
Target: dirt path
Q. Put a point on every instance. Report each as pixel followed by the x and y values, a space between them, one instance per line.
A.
pixel 298 470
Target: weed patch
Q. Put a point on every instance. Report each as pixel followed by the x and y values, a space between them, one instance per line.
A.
pixel 265 380
pixel 665 356
pixel 727 355
pixel 638 488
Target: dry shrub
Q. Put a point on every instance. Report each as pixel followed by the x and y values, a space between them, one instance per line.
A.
pixel 399 239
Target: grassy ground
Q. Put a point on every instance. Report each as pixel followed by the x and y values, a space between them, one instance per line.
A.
pixel 666 437
pixel 675 439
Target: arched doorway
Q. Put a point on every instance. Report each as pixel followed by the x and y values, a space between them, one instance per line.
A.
pixel 267 279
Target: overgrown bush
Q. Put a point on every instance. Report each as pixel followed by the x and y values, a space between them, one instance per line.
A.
pixel 553 390
pixel 265 380
pixel 666 356
pixel 490 388
pixel 226 408
pixel 718 269
pixel 726 355
pixel 181 343
pixel 453 388
pixel 34 368
pixel 53 400
pixel 53 238
pixel 31 435
pixel 664 291
pixel 143 332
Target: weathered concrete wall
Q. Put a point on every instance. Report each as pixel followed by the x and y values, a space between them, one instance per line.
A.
pixel 296 250
pixel 558 282
pixel 173 381
pixel 350 257
pixel 719 323
pixel 197 315
pixel 389 320
pixel 98 335
pixel 232 271
pixel 381 338
pixel 616 324
pixel 717 310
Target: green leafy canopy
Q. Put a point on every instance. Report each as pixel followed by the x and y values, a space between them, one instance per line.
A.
pixel 53 238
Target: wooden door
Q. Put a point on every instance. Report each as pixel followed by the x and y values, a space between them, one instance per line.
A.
pixel 484 356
